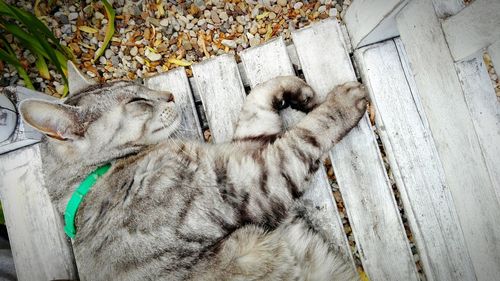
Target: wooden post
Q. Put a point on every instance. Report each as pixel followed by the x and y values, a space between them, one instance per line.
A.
pixel 40 248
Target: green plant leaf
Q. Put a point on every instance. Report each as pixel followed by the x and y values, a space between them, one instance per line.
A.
pixel 42 67
pixel 34 35
pixel 110 29
pixel 12 59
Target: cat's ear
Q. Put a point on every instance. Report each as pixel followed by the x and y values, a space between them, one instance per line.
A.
pixel 77 81
pixel 58 121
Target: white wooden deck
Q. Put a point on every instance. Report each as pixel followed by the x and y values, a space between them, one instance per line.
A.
pixel 437 118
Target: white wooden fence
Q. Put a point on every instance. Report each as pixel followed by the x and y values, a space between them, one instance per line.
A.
pixel 436 114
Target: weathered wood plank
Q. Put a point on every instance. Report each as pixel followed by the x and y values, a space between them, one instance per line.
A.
pixel 370 21
pixel 360 172
pixel 222 93
pixel 446 8
pixel 473 29
pixel 485 112
pixel 494 51
pixel 176 82
pixel 414 162
pixel 454 134
pixel 40 248
pixel 256 62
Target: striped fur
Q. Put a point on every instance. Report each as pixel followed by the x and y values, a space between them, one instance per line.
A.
pixel 174 209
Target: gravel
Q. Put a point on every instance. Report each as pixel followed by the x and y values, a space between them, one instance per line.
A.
pixel 150 34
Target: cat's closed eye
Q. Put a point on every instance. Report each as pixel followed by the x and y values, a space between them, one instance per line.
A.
pixel 136 99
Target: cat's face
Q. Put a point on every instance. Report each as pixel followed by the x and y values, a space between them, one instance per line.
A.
pixel 105 121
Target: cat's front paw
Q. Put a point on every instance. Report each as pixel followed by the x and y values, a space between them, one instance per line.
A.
pixel 297 94
pixel 350 97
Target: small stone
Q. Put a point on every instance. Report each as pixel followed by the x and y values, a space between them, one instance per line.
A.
pixel 153 56
pixel 253 29
pixel 332 12
pixel 187 45
pixel 321 9
pixel 229 43
pixel 272 15
pixel 98 16
pixel 108 53
pixel 133 51
pixel 63 19
pixel 60 89
pixel 240 29
pixel 72 16
pixel 102 60
pixel 139 60
pixel 282 3
pixel 215 18
pixel 223 16
pixel 115 60
pixel 255 41
pixel 298 5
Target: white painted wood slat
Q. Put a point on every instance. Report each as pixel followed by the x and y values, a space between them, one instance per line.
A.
pixel 494 52
pixel 258 68
pixel 176 82
pixel 474 28
pixel 454 134
pixel 415 164
pixel 485 112
pixel 40 248
pixel 370 21
pixel 446 8
pixel 219 85
pixel 363 182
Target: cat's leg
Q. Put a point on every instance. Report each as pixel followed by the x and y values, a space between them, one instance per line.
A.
pixel 299 151
pixel 259 185
pixel 259 118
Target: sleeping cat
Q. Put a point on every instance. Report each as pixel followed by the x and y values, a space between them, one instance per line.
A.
pixel 174 209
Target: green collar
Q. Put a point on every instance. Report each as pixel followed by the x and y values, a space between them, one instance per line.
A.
pixel 77 198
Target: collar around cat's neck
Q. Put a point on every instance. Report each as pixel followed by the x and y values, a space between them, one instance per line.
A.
pixel 77 198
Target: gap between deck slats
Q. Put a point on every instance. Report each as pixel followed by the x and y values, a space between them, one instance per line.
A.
pixel 363 182
pixel 264 63
pixel 454 134
pixel 415 164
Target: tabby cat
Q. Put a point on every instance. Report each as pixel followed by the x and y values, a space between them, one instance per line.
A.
pixel 174 209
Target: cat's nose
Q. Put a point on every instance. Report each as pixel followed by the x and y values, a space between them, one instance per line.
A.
pixel 165 95
pixel 170 98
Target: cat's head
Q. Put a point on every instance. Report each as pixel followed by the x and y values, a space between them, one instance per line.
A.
pixel 102 122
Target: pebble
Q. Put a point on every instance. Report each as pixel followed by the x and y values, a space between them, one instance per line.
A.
pixel 203 28
pixel 255 40
pixel 108 53
pixel 333 12
pixel 298 5
pixel 153 56
pixel 229 43
pixel 98 16
pixel 72 16
pixel 223 16
pixel 164 22
pixel 133 51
